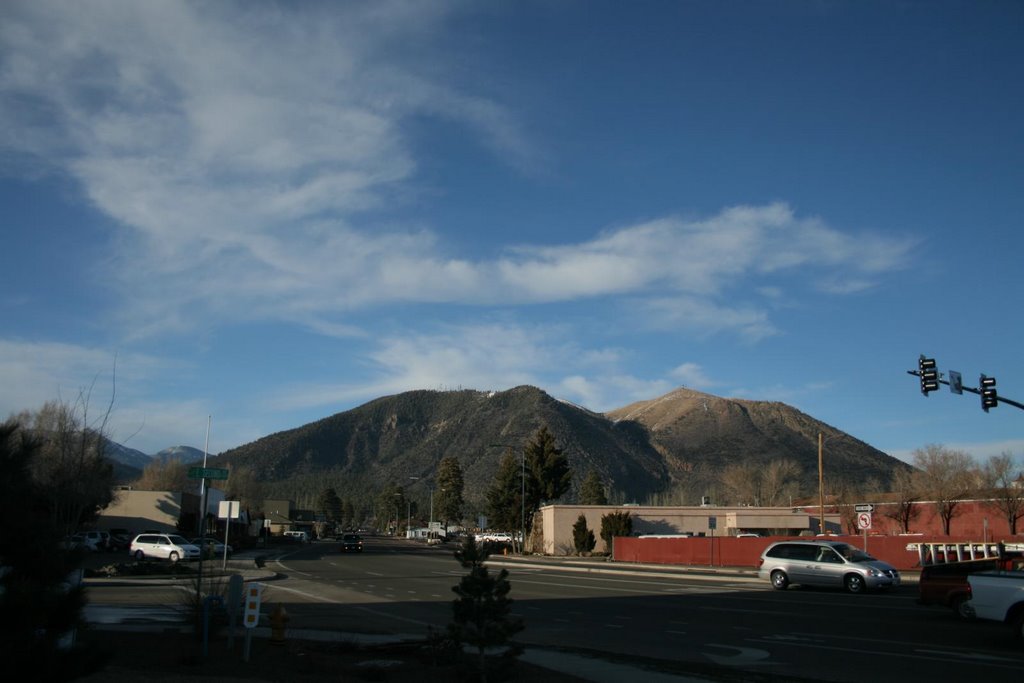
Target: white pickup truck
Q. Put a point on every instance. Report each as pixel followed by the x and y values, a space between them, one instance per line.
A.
pixel 999 596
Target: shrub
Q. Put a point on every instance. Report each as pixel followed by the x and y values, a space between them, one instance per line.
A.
pixel 582 537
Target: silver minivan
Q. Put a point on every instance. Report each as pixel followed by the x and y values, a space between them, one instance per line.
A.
pixel 825 563
pixel 164 547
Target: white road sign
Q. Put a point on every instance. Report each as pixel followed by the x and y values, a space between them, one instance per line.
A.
pixel 863 520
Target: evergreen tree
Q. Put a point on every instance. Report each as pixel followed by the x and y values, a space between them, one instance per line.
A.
pixel 543 475
pixel 481 615
pixel 548 474
pixel 504 497
pixel 328 504
pixel 592 491
pixel 449 499
pixel 615 524
pixel 40 610
pixel 582 537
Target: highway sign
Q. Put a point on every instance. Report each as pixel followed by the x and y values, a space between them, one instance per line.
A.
pixel 863 508
pixel 207 473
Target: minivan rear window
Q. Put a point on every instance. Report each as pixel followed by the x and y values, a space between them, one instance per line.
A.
pixel 794 551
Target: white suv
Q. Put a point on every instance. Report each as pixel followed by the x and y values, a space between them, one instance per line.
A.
pixel 164 547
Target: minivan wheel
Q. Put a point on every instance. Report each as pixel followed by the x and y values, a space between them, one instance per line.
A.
pixel 173 557
pixel 854 583
pixel 779 580
pixel 139 555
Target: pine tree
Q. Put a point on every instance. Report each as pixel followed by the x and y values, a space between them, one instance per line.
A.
pixel 582 537
pixel 549 476
pixel 615 524
pixel 449 494
pixel 482 613
pixel 328 504
pixel 592 491
pixel 504 496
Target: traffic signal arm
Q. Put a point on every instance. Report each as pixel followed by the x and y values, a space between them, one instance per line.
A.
pixel 999 399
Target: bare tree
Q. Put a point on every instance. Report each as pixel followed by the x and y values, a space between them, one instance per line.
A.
pixel 244 486
pixel 1001 474
pixel 742 483
pixel 757 484
pixel 903 509
pixel 71 470
pixel 779 482
pixel 945 476
pixel 170 475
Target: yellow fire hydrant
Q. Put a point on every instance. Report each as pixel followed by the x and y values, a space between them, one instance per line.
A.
pixel 278 618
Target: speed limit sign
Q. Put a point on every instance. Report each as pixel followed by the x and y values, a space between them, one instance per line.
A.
pixel 863 520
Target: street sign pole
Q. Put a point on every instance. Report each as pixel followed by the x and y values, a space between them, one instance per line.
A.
pixel 864 520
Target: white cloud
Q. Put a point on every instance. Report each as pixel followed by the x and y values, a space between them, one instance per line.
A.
pixel 243 147
pixel 704 317
pixel 692 375
pixel 101 379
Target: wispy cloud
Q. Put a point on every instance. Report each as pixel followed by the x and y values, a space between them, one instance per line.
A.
pixel 692 375
pixel 254 191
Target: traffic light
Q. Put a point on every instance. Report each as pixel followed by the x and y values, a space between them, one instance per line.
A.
pixel 989 398
pixel 929 374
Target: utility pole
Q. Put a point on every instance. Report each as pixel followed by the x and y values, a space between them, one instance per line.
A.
pixel 821 488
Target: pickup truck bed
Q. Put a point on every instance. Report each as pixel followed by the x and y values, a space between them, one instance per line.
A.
pixel 999 596
pixel 946 584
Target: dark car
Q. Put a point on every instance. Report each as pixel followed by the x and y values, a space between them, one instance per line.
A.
pixel 351 543
pixel 120 539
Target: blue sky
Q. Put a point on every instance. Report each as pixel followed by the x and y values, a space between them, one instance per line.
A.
pixel 265 213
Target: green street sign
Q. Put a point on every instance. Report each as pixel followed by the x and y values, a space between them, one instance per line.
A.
pixel 207 473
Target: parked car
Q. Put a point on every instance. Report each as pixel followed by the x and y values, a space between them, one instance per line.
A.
pixel 300 536
pixel 825 563
pixel 170 547
pixel 96 541
pixel 351 543
pixel 120 538
pixel 211 546
pixel 494 537
pixel 88 540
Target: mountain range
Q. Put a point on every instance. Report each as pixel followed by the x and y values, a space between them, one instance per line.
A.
pixel 669 449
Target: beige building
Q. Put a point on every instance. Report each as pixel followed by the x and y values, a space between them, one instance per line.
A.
pixel 554 523
pixel 138 510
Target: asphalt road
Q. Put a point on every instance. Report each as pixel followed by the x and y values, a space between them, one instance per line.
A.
pixel 673 621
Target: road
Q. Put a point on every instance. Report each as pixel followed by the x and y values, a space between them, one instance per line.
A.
pixel 676 623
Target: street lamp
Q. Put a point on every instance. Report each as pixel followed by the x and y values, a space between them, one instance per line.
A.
pixel 821 490
pixel 408 522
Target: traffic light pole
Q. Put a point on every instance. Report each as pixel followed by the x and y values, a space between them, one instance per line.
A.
pixel 1000 399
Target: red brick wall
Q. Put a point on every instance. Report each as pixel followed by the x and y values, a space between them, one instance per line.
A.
pixel 883 540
